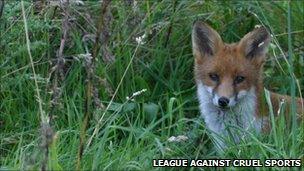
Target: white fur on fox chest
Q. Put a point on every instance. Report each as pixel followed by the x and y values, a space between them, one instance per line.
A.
pixel 242 115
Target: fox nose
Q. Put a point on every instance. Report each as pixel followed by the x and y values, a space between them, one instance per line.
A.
pixel 223 102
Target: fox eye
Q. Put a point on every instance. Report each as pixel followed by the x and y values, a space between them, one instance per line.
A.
pixel 238 79
pixel 214 77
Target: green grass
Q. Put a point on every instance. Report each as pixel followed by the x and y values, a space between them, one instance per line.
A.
pixel 133 132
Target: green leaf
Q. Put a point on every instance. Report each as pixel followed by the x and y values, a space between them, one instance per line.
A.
pixel 151 110
pixel 53 161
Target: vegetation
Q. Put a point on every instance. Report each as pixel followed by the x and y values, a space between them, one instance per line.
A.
pixel 104 85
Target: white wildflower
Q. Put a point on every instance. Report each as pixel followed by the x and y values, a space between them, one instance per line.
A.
pixel 179 138
pixel 87 58
pixel 140 39
pixel 257 26
pixel 136 94
pixel 135 5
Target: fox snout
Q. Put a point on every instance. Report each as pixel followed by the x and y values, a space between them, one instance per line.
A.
pixel 224 102
pixel 224 94
pixel 224 99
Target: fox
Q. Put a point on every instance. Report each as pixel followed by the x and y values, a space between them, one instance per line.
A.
pixel 229 81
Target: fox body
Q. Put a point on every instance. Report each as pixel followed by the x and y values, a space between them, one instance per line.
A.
pixel 230 85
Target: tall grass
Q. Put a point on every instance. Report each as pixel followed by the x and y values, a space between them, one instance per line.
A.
pixel 127 133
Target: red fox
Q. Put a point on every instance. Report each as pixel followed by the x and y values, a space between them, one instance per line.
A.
pixel 230 85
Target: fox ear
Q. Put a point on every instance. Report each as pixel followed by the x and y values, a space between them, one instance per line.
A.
pixel 205 40
pixel 254 44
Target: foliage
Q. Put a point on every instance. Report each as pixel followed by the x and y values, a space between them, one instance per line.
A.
pixel 135 131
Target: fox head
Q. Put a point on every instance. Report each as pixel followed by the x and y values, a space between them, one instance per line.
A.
pixel 228 71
